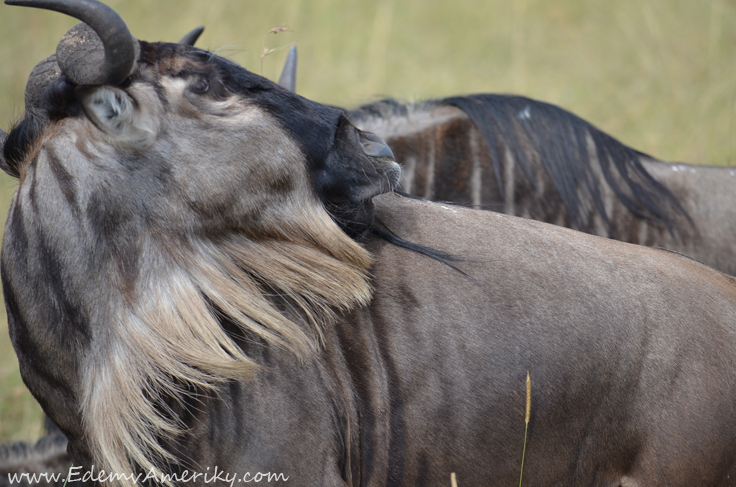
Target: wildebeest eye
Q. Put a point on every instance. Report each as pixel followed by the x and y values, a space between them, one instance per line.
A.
pixel 202 86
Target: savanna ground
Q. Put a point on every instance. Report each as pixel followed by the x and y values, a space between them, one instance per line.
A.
pixel 660 75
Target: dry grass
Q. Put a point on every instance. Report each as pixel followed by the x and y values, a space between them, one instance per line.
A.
pixel 657 74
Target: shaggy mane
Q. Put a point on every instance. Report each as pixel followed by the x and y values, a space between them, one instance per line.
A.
pixel 563 143
pixel 284 288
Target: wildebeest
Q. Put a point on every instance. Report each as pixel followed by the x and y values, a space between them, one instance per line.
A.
pixel 46 456
pixel 203 270
pixel 533 159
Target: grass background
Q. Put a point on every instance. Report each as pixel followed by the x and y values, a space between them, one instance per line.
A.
pixel 657 74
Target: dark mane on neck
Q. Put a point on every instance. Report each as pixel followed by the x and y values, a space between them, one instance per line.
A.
pixel 566 146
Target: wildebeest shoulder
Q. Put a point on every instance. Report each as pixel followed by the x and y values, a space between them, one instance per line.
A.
pixel 621 342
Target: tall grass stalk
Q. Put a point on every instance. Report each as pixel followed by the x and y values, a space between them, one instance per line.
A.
pixel 526 420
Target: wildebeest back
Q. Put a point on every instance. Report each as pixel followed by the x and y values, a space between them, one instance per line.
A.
pixel 623 344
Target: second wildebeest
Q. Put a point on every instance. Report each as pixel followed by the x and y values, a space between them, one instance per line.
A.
pixel 536 160
pixel 202 269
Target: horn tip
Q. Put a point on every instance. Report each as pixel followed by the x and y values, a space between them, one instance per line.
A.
pixel 191 37
pixel 288 75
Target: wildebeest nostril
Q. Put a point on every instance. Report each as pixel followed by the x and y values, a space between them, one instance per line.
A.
pixel 374 146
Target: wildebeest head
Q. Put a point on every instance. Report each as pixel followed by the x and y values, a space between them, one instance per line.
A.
pixel 171 207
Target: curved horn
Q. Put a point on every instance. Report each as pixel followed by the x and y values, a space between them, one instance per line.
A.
pixel 42 75
pixel 48 70
pixel 288 75
pixel 78 51
pixel 191 38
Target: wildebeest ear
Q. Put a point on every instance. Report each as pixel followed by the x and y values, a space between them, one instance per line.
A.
pixel 113 112
pixel 359 167
pixel 3 163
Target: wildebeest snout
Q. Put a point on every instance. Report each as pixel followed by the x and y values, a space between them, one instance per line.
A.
pixel 360 165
